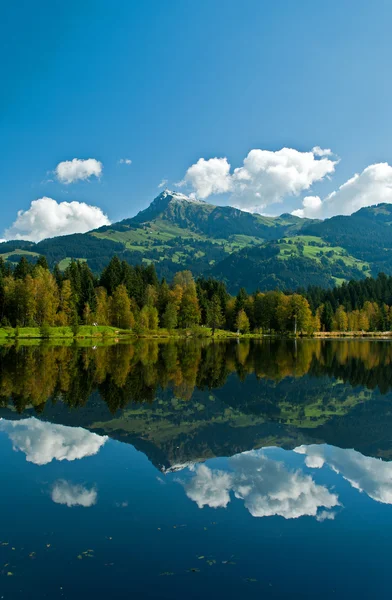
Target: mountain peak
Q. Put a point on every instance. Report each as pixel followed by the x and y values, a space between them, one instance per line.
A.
pixel 164 201
pixel 176 196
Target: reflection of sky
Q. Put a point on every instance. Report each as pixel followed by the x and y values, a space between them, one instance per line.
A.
pixel 64 492
pixel 372 476
pixel 269 485
pixel 43 442
pixel 269 482
pixel 131 515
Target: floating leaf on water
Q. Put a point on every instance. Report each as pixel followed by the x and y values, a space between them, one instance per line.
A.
pixel 13 548
pixel 5 543
pixel 211 562
pixel 200 557
pixel 205 528
pixel 79 556
pixel 9 574
pixel 194 570
pixel 166 573
pixel 32 554
pixel 251 580
pixel 48 545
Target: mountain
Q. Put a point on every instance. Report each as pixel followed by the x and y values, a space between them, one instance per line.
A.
pixel 175 232
pixel 179 232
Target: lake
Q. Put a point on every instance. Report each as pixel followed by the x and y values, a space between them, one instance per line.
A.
pixel 193 469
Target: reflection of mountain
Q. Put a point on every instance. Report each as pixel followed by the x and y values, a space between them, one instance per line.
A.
pixel 186 402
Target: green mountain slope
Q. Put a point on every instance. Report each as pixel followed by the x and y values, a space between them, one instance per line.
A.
pixel 176 232
pixel 290 263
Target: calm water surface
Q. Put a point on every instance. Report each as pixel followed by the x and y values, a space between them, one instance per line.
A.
pixel 196 470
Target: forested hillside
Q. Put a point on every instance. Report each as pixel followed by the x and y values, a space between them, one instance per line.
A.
pixel 244 250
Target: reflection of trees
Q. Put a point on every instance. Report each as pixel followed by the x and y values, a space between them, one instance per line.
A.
pixel 125 373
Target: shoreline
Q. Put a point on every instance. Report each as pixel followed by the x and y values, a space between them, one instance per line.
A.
pixel 108 333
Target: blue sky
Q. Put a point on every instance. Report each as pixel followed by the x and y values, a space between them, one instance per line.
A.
pixel 165 84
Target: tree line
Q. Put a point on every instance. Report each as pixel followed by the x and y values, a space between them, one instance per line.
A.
pixel 132 297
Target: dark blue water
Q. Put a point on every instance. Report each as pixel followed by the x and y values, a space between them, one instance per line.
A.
pixel 84 515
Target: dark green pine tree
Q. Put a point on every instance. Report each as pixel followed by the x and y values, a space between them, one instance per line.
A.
pixel 57 274
pixel 87 282
pixel 214 313
pixel 111 276
pixel 327 316
pixel 23 268
pixel 42 262
pixel 241 300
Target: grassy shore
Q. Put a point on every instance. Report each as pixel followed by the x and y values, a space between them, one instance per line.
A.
pixel 107 332
pixel 84 331
pixel 113 333
pixel 352 334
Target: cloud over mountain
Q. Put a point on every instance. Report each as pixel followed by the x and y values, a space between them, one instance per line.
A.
pixel 372 186
pixel 78 169
pixel 266 177
pixel 48 218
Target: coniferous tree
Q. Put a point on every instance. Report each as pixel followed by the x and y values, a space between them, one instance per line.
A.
pixel 214 313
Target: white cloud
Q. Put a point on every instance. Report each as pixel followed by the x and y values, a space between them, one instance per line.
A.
pixel 322 151
pixel 43 442
pixel 372 186
pixel 208 177
pixel 163 183
pixel 266 487
pixel 64 492
pixel 265 178
pixel 48 218
pixel 78 169
pixel 125 161
pixel 372 476
pixel 311 206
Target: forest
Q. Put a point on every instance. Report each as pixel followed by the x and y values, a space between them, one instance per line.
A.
pixel 132 298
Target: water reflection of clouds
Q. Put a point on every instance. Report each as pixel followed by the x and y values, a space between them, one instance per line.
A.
pixel 372 476
pixel 64 492
pixel 269 487
pixel 43 442
pixel 266 486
